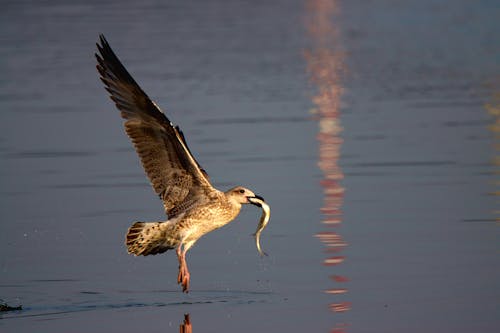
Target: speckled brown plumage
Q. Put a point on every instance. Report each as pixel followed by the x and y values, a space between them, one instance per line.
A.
pixel 192 205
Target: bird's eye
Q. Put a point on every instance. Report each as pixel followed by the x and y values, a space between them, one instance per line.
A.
pixel 242 191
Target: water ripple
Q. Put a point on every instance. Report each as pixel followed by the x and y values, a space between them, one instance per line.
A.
pixel 92 304
pixel 402 164
pixel 48 154
pixel 95 185
pixel 253 120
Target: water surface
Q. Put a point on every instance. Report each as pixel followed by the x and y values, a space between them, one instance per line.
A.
pixel 368 127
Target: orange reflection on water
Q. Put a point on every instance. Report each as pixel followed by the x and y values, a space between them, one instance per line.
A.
pixel 325 64
pixel 332 240
pixel 340 307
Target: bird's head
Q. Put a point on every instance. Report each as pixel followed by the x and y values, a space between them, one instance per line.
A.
pixel 244 196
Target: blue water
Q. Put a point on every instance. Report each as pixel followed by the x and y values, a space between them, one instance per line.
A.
pixel 369 127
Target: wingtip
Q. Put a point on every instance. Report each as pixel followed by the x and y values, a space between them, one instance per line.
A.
pixel 102 43
pixel 102 39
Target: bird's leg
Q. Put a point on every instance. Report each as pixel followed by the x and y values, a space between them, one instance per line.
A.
pixel 186 275
pixel 178 251
pixel 183 276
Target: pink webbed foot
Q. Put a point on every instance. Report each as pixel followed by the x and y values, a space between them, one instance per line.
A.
pixel 183 276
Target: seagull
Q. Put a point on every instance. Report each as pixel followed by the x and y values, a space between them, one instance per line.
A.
pixel 193 206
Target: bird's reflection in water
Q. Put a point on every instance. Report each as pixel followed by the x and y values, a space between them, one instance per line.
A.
pixel 325 64
pixel 186 326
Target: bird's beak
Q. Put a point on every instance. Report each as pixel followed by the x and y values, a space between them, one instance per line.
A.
pixel 256 200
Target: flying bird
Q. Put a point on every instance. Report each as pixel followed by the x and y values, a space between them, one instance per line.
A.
pixel 193 206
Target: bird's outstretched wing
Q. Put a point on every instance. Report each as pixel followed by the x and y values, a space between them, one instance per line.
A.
pixel 173 171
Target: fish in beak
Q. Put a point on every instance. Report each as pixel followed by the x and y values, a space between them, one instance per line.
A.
pixel 264 219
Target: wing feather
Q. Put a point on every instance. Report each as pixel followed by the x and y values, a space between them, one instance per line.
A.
pixel 173 171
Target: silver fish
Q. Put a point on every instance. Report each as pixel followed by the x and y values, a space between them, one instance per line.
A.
pixel 264 219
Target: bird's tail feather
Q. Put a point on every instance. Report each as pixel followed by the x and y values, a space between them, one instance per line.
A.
pixel 145 238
